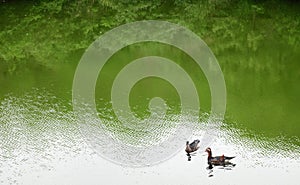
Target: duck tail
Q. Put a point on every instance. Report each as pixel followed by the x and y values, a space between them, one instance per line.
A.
pixel 228 158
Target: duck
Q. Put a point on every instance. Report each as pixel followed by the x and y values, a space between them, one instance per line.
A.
pixel 191 147
pixel 217 160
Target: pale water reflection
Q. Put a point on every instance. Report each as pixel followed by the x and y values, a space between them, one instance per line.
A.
pixel 41 144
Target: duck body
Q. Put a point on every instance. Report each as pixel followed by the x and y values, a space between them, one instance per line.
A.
pixel 217 160
pixel 192 147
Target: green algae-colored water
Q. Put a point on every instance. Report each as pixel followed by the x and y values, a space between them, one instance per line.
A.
pixel 262 98
pixel 40 139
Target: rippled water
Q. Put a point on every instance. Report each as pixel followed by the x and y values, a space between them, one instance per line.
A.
pixel 43 142
pixel 40 143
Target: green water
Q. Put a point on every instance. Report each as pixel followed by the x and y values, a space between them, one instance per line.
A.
pixel 262 98
pixel 256 44
pixel 265 97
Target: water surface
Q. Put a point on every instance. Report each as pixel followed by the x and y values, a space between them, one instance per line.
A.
pixel 41 141
pixel 40 137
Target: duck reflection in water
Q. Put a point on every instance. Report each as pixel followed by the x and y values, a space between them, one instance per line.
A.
pixel 191 148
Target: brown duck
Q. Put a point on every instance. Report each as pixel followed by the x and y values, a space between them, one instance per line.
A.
pixel 191 147
pixel 217 160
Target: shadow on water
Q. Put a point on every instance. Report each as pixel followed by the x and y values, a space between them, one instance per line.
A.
pixel 226 166
pixel 189 155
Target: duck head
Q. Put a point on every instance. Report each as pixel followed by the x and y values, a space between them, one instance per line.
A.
pixel 208 150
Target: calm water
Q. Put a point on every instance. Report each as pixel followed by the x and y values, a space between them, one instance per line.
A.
pixel 41 142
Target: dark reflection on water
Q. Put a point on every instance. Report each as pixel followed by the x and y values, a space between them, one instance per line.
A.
pixel 189 156
pixel 210 168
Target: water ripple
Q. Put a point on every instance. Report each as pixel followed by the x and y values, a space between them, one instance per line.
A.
pixel 38 131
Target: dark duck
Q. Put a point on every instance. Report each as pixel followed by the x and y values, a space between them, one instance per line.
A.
pixel 191 148
pixel 217 160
